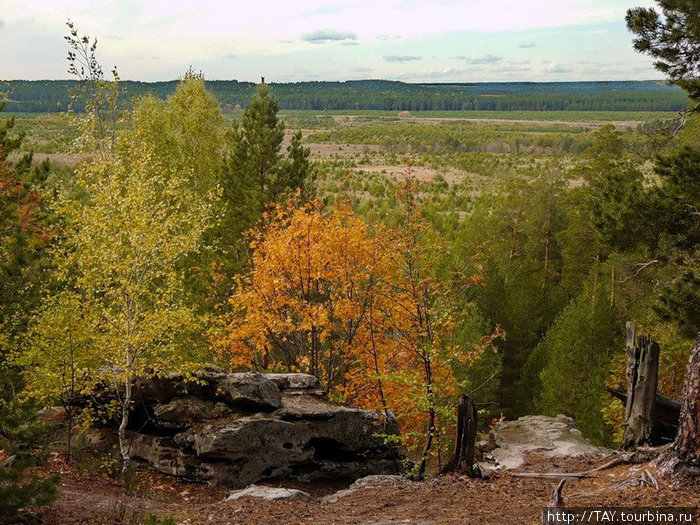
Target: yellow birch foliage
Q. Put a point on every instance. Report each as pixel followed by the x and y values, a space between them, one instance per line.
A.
pixel 122 311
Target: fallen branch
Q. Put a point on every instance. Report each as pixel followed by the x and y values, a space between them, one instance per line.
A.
pixel 552 475
pixel 558 495
pixel 636 457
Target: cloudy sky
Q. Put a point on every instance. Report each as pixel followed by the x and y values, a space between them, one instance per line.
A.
pixel 294 40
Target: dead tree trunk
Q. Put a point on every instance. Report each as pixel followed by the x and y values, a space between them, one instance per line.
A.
pixel 463 460
pixel 666 412
pixel 642 376
pixel 682 460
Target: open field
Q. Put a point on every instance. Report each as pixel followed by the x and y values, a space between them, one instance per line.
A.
pixel 55 132
pixel 545 116
pixel 361 154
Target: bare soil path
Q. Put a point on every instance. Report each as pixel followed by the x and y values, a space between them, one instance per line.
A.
pixel 502 500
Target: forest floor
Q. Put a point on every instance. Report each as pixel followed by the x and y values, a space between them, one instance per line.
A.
pixel 502 499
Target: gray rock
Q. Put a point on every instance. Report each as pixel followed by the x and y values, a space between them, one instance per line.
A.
pixel 340 443
pixel 293 381
pixel 510 442
pixel 244 390
pixel 159 389
pixel 333 421
pixel 164 455
pixel 9 461
pixel 54 415
pixel 249 390
pixel 238 429
pixel 268 493
pixel 374 480
pixel 333 498
pixel 257 437
pixel 101 440
pixel 181 412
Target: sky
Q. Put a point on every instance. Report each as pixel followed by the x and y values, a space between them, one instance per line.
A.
pixel 300 40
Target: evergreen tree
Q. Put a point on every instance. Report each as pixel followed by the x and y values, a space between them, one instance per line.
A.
pixel 297 171
pixel 255 173
pixel 517 230
pixel 21 242
pixel 672 38
pixel 255 147
pixel 614 189
pixel 674 218
pixel 21 493
pixel 575 359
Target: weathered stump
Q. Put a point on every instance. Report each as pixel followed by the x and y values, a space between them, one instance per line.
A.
pixel 463 460
pixel 640 424
pixel 666 411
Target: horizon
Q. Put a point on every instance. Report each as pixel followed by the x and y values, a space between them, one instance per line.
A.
pixel 428 83
pixel 412 41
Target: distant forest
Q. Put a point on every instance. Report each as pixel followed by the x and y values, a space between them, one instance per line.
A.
pixel 41 96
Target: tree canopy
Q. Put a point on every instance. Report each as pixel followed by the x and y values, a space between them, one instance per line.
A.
pixel 672 37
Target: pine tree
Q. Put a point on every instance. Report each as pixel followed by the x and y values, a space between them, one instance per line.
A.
pixel 672 38
pixel 21 493
pixel 255 174
pixel 575 358
pixel 22 239
pixel 674 41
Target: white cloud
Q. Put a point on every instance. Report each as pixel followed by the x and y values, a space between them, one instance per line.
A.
pixel 401 58
pixel 513 67
pixel 324 36
pixel 265 35
pixel 558 69
pixel 486 59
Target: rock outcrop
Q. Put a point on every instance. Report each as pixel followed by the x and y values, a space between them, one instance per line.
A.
pixel 509 443
pixel 238 429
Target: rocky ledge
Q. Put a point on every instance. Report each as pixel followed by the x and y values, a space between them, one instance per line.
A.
pixel 509 443
pixel 237 429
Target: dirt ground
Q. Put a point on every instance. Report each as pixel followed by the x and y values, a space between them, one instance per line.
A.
pixel 503 499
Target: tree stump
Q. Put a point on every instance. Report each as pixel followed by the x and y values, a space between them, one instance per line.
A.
pixel 642 376
pixel 463 460
pixel 666 411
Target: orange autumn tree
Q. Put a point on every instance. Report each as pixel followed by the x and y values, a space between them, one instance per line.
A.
pixel 301 306
pixel 362 310
pixel 423 316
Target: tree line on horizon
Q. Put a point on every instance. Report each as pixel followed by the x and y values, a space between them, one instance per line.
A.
pixel 48 96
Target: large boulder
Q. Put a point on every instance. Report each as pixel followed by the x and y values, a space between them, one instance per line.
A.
pixel 238 429
pixel 248 390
